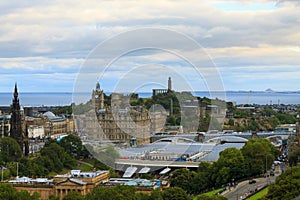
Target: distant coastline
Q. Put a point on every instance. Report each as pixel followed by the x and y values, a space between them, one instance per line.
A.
pixel 66 98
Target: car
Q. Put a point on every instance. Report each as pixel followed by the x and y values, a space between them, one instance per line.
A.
pixel 277 162
pixel 251 181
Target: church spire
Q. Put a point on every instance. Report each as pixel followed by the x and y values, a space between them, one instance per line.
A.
pixel 98 86
pixel 16 91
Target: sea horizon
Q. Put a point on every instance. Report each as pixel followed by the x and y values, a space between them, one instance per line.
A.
pixel 127 92
pixel 239 97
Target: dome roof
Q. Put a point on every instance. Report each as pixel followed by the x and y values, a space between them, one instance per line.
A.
pixel 49 114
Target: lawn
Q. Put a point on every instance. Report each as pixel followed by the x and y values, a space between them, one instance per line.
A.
pixel 260 194
pixel 213 192
pixel 84 167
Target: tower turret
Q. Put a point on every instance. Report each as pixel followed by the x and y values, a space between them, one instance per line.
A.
pixel 98 97
pixel 169 84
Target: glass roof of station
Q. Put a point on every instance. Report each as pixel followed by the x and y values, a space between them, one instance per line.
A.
pixel 208 151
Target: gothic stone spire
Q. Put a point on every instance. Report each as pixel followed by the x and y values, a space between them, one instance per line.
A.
pixel 16 120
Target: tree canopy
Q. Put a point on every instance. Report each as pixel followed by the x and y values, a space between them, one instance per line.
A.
pixel 230 166
pixel 10 150
pixel 259 155
pixel 73 146
pixel 287 185
pixel 8 192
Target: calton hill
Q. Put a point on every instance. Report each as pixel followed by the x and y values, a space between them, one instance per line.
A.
pixel 233 165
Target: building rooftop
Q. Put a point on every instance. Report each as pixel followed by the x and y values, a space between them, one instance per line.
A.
pixel 176 147
pixel 80 174
pixel 49 114
pixel 134 182
pixel 28 180
pixel 78 181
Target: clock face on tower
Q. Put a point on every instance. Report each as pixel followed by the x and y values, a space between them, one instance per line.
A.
pixel 96 96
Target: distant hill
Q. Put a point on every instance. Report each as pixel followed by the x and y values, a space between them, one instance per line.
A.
pixel 269 90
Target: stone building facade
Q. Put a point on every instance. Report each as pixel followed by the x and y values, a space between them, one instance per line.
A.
pixel 52 125
pixel 4 125
pixel 61 185
pixel 125 125
pixel 120 122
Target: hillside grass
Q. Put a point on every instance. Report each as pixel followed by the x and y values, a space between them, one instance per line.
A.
pixel 260 194
pixel 212 193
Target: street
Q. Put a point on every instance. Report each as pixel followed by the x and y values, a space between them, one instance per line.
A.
pixel 243 189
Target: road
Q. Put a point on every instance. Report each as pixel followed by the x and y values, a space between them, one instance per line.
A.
pixel 244 188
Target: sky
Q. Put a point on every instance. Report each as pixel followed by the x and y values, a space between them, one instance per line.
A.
pixel 242 45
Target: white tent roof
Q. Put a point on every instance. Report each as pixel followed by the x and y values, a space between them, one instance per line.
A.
pixel 166 170
pixel 144 170
pixel 129 172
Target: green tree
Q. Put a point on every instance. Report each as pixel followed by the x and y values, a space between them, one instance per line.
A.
pixel 32 167
pixel 55 158
pixel 156 195
pixel 10 150
pixel 63 110
pixel 73 195
pixel 202 180
pixel 142 196
pixel 50 141
pixel 206 197
pixel 259 154
pixel 72 145
pixel 175 193
pixel 274 121
pixel 8 192
pixel 53 197
pixel 232 159
pixel 120 192
pixel 268 112
pixel 287 185
pixel 182 178
pixel 24 195
pixel 199 183
pixel 221 175
pixel 253 126
pixel 285 118
pixel 294 157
